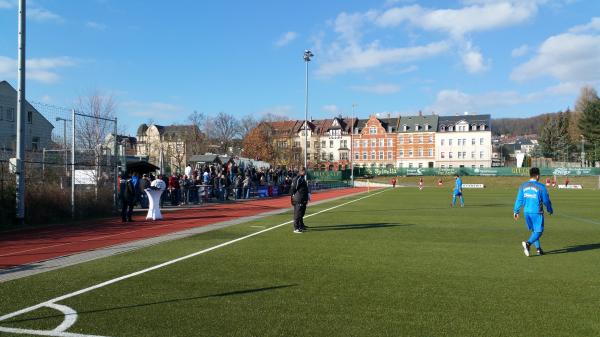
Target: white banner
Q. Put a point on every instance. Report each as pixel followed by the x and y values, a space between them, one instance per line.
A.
pixel 473 185
pixel 573 187
pixel 85 177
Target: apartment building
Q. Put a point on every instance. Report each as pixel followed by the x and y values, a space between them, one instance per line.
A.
pixel 416 141
pixel 463 141
pixel 375 141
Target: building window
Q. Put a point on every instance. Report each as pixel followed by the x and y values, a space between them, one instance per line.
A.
pixel 401 140
pixel 381 155
pixel 482 127
pixel 356 144
pixel 344 156
pixel 449 154
pixel 427 127
pixel 420 151
pixel 390 142
pixel 480 141
pixel 323 156
pixel 430 152
pixel 459 155
pixel 331 144
pixel 356 155
pixel 420 165
pixel 410 139
pixel 316 156
pixel 449 142
pixel 381 142
pixel 443 154
pixel 480 166
pixel 480 154
pixel 442 142
pixel 365 143
pixel 421 139
pixel 373 130
pixel 458 142
pixel 330 156
pixel 29 117
pixel 430 139
pixel 410 165
pixel 401 153
pixel 372 155
pixel 373 142
pixel 464 154
pixel 35 143
pixel 389 155
pixel 345 144
pixel 472 166
pixel 473 155
pixel 450 166
pixel 10 114
pixel 404 127
pixel 296 144
pixel 416 127
pixel 410 152
pixel 443 166
pixel 472 141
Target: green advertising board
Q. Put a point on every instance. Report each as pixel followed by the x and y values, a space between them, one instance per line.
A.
pixel 463 171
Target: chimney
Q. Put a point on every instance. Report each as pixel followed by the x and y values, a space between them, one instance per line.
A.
pixel 420 113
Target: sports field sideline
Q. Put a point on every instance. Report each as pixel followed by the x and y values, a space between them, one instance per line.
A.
pixel 393 262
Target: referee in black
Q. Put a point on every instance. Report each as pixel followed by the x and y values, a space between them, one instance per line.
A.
pixel 300 195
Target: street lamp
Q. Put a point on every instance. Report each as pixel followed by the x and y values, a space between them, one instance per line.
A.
pixel 307 55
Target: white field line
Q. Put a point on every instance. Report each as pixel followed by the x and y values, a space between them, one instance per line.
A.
pixel 578 218
pixel 158 266
pixel 44 333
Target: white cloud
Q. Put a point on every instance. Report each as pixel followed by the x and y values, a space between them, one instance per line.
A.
pixel 567 57
pixel 451 101
pixel 355 58
pixel 473 60
pixel 331 108
pixel 40 14
pixel 479 17
pixel 7 4
pixel 286 38
pixel 520 51
pixel 95 25
pixel 593 25
pixel 38 69
pixel 380 89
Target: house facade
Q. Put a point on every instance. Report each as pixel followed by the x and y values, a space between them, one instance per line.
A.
pixel 416 141
pixel 168 147
pixel 38 130
pixel 463 141
pixel 374 143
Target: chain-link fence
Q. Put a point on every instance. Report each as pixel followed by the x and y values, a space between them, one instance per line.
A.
pixel 70 166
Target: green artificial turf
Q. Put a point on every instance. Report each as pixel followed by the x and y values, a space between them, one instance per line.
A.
pixel 399 263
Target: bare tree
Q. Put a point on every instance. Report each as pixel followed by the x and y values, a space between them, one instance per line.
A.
pixel 92 130
pixel 226 129
pixel 195 139
pixel 247 123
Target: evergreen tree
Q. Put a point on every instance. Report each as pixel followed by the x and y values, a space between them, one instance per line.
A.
pixel 555 141
pixel 589 124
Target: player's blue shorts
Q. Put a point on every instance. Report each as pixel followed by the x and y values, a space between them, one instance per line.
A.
pixel 535 222
pixel 457 193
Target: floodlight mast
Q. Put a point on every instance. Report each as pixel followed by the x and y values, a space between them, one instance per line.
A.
pixel 307 55
pixel 20 125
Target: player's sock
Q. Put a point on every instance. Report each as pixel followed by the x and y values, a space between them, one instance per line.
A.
pixel 453 200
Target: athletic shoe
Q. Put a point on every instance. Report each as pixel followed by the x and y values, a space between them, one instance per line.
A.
pixel 525 247
pixel 297 231
pixel 540 252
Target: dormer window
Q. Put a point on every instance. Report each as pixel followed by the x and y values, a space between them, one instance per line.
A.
pixel 416 127
pixel 482 127
pixel 426 127
pixel 373 130
pixel 450 128
pixel 404 127
pixel 443 128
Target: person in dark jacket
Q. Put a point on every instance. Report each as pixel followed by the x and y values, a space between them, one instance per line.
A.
pixel 300 196
pixel 127 195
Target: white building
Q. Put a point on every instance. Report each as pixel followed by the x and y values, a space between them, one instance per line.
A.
pixel 464 141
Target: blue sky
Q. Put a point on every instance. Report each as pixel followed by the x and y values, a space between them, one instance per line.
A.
pixel 162 60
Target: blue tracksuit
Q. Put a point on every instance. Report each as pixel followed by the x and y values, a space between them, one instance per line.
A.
pixel 533 196
pixel 458 192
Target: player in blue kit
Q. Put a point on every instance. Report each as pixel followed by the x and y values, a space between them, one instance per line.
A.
pixel 457 192
pixel 533 196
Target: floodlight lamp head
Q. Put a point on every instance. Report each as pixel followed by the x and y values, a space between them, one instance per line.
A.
pixel 307 55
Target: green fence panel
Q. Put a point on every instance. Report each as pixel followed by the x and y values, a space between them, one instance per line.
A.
pixel 463 171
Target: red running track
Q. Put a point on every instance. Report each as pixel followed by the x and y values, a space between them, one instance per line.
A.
pixel 35 245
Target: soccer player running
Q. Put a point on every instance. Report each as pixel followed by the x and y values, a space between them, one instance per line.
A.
pixel 457 192
pixel 533 196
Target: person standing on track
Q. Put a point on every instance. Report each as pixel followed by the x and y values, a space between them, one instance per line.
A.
pixel 421 184
pixel 458 192
pixel 299 197
pixel 533 196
